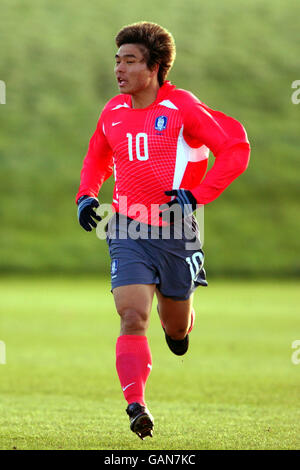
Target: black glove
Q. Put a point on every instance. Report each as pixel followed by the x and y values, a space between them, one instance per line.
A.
pixel 184 198
pixel 86 212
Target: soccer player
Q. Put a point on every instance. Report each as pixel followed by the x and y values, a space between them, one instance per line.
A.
pixel 156 139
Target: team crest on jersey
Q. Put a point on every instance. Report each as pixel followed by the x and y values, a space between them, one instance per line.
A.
pixel 161 123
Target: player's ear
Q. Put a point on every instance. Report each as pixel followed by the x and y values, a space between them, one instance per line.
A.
pixel 154 69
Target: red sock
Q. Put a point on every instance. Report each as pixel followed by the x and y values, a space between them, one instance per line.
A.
pixel 134 363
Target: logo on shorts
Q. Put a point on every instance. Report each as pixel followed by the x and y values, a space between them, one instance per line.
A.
pixel 161 123
pixel 114 266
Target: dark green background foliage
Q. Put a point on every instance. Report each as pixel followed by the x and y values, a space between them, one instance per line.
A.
pixel 57 61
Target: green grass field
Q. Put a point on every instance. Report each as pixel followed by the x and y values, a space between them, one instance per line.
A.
pixel 235 389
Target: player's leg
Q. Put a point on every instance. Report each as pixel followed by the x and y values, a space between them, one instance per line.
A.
pixel 175 315
pixel 177 318
pixel 180 271
pixel 133 304
pixel 133 355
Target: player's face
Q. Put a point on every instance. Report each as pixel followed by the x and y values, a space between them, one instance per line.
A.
pixel 131 70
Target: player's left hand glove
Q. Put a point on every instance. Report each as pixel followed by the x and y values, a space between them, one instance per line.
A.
pixel 86 213
pixel 184 198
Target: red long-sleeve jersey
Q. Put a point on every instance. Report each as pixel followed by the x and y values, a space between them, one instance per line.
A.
pixel 162 147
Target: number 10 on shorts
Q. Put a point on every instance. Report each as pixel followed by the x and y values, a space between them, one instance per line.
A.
pixel 195 263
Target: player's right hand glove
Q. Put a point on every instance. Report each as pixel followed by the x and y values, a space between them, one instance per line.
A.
pixel 86 213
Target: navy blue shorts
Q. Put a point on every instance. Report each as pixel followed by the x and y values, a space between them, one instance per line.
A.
pixel 175 266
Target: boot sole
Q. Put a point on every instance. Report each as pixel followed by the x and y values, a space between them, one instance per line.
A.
pixel 142 426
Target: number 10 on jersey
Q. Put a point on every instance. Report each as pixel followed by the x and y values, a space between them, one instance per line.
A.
pixel 141 140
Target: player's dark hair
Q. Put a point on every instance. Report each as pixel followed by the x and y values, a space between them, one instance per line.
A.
pixel 159 45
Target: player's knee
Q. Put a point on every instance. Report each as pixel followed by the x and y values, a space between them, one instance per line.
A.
pixel 176 332
pixel 132 320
